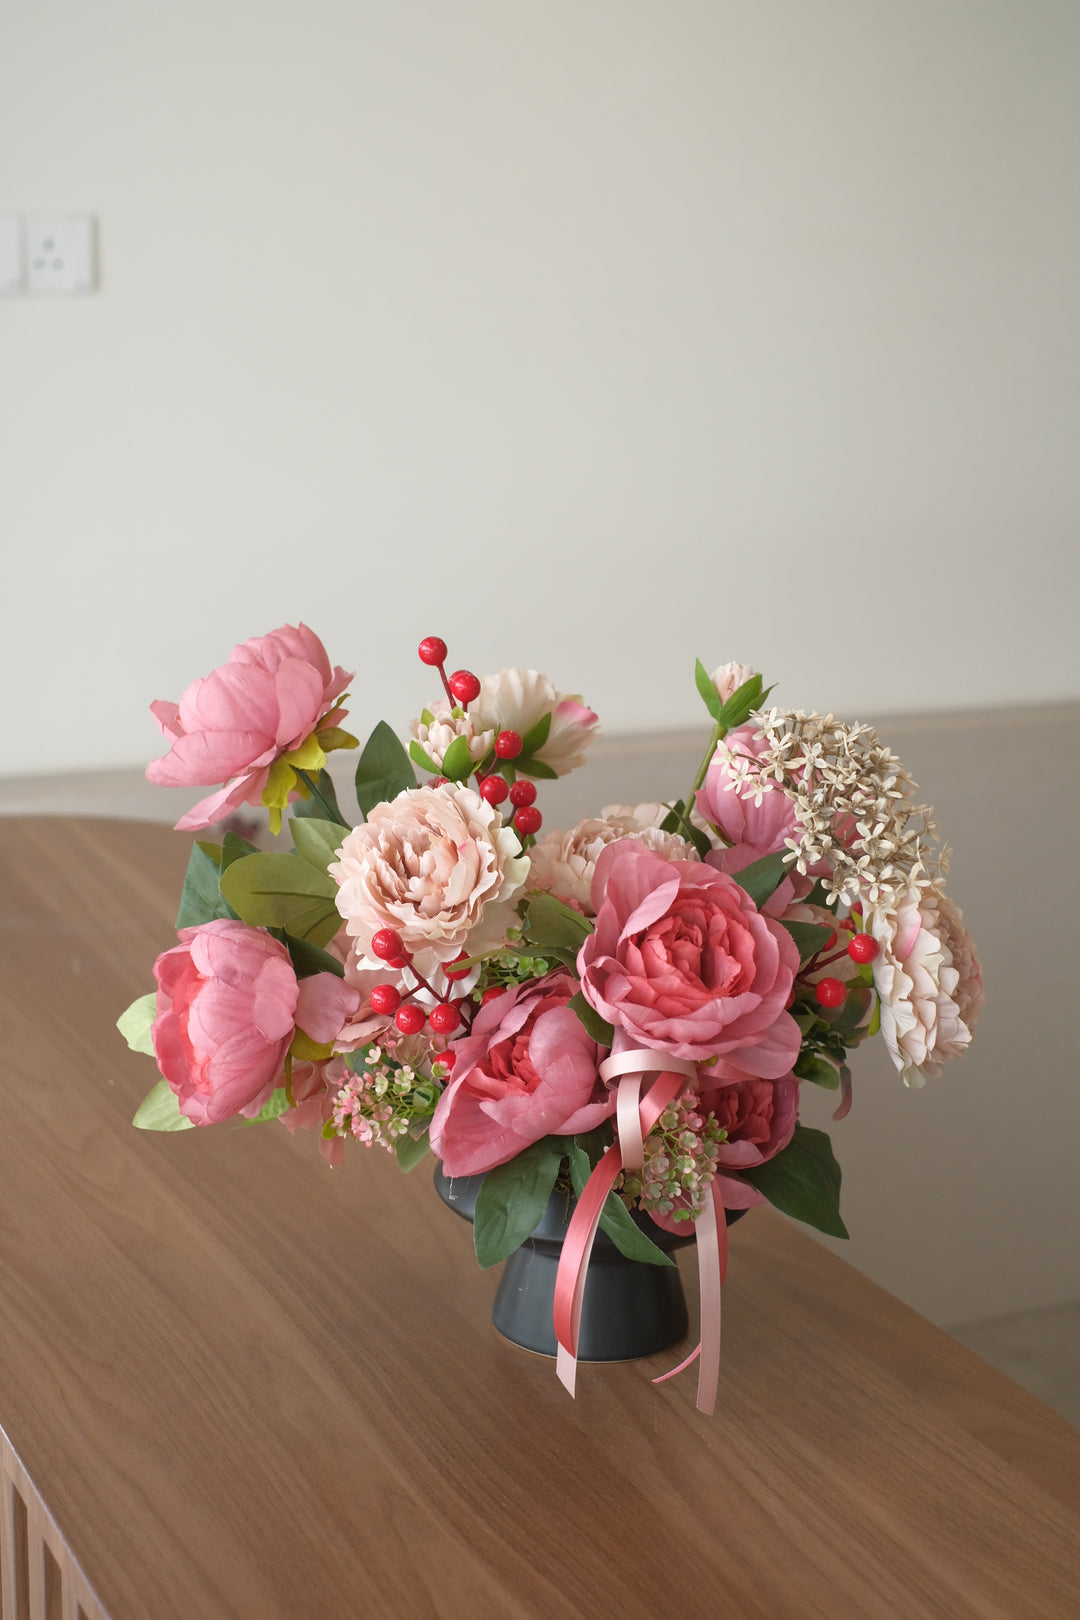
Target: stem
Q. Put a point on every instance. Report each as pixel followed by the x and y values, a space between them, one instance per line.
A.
pixel 332 815
pixel 718 734
pixel 815 963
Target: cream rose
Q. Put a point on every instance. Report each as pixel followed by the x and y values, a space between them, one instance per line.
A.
pixel 438 866
pixel 515 699
pixel 563 863
pixel 929 982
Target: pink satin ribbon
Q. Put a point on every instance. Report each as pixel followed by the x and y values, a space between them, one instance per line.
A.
pixel 635 1118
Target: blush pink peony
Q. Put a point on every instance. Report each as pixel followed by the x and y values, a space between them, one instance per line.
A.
pixel 275 692
pixel 516 699
pixel 526 1070
pixel 929 983
pixel 683 962
pixel 228 1006
pixel 439 867
pixel 563 863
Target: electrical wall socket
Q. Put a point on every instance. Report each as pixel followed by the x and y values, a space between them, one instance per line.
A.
pixel 60 254
pixel 11 256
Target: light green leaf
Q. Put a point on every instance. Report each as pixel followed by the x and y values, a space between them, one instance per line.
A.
pixel 305 1050
pixel 804 1181
pixel 551 925
pixel 383 771
pixel 134 1024
pixel 282 891
pixel 277 1105
pixel 310 807
pixel 875 1021
pixel 411 1150
pixel 421 757
pixel 512 1201
pixel 457 761
pixel 526 766
pixel 742 703
pixel 817 1070
pixel 601 1031
pixel 317 842
pixel 809 937
pixel 160 1111
pixel 615 1218
pixel 761 879
pixel 707 691
pixel 536 736
pixel 233 848
pixel 201 899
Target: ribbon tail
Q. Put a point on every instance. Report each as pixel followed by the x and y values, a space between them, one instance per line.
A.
pixel 712 1264
pixel 628 1119
pixel 574 1263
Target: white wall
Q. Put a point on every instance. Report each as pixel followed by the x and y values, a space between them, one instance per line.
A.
pixel 592 334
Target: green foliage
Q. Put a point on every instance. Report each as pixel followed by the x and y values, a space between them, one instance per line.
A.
pixel 308 959
pixel 761 879
pixel 421 757
pixel 383 771
pixel 411 1150
pixel 818 1070
pixel 550 924
pixel 678 821
pixel 201 899
pixel 305 808
pixel 526 766
pixel 160 1111
pixel 134 1024
pixel 457 761
pixel 317 842
pixel 536 736
pixel 282 891
pixel 804 1181
pixel 615 1218
pixel 809 937
pixel 742 703
pixel 272 1109
pixel 709 695
pixel 601 1031
pixel 512 1200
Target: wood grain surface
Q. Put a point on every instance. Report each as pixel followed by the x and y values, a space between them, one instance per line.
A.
pixel 247 1386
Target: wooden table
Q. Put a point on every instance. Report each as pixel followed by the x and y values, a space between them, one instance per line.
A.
pixel 243 1385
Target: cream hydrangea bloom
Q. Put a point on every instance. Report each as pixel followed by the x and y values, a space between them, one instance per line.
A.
pixel 438 866
pixel 563 863
pixel 929 982
pixel 516 699
pixel 436 735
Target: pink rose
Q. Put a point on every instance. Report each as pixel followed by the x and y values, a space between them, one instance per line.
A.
pixel 759 1117
pixel 228 1005
pixel 683 962
pixel 274 693
pixel 526 1070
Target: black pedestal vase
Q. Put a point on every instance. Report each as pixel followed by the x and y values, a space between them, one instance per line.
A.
pixel 629 1309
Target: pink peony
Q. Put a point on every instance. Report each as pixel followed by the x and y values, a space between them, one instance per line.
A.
pixel 228 1005
pixel 515 699
pixel 438 866
pixel 683 962
pixel 759 1117
pixel 929 982
pixel 526 1070
pixel 274 694
pixel 563 863
pixel 444 727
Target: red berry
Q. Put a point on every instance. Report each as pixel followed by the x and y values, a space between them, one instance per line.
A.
pixel 528 819
pixel 398 962
pixel 444 1018
pixel 522 793
pixel 489 995
pixel 386 944
pixel 863 948
pixel 432 650
pixel 494 789
pixel 446 1060
pixel 508 745
pixel 437 781
pixel 452 970
pixel 830 993
pixel 410 1018
pixel 464 685
pixel 385 999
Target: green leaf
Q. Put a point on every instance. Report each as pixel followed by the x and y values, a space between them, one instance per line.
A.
pixel 709 695
pixel 535 767
pixel 383 771
pixel 512 1201
pixel 317 842
pixel 305 1050
pixel 282 891
pixel 875 1022
pixel 457 761
pixel 536 736
pixel 421 757
pixel 308 959
pixel 761 879
pixel 817 1070
pixel 551 925
pixel 601 1031
pixel 273 1109
pixel 804 1181
pixel 134 1024
pixel 742 703
pixel 410 1150
pixel 311 808
pixel 201 899
pixel 809 937
pixel 615 1218
pixel 160 1111
pixel 848 1017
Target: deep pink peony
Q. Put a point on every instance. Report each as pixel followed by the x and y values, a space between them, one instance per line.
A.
pixel 272 695
pixel 683 962
pixel 526 1070
pixel 228 1005
pixel 759 1117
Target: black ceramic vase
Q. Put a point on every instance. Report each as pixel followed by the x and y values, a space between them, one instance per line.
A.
pixel 629 1309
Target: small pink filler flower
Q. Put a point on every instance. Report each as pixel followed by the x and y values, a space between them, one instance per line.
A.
pixel 252 724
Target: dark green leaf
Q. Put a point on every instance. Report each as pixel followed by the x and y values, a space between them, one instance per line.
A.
pixel 277 1105
pixel 536 736
pixel 848 1017
pixel 421 757
pixel 818 1070
pixel 305 808
pixel 673 821
pixel 308 959
pixel 410 1150
pixel 709 695
pixel 383 770
pixel 457 761
pixel 818 896
pixel 512 1201
pixel 615 1218
pixel 804 1181
pixel 317 842
pixel 201 899
pixel 526 766
pixel 160 1111
pixel 234 848
pixel 761 879
pixel 282 891
pixel 551 924
pixel 601 1031
pixel 809 937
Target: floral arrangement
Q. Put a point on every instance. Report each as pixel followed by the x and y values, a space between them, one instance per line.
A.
pixel 629 1008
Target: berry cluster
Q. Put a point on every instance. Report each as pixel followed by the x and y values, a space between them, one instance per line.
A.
pixel 410 1018
pixel 862 949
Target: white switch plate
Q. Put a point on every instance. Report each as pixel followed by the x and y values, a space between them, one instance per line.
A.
pixel 11 256
pixel 60 254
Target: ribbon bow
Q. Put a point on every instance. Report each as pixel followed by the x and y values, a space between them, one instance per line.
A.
pixel 635 1117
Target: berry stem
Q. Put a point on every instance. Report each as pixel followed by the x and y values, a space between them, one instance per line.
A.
pixel 446 684
pixel 817 962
